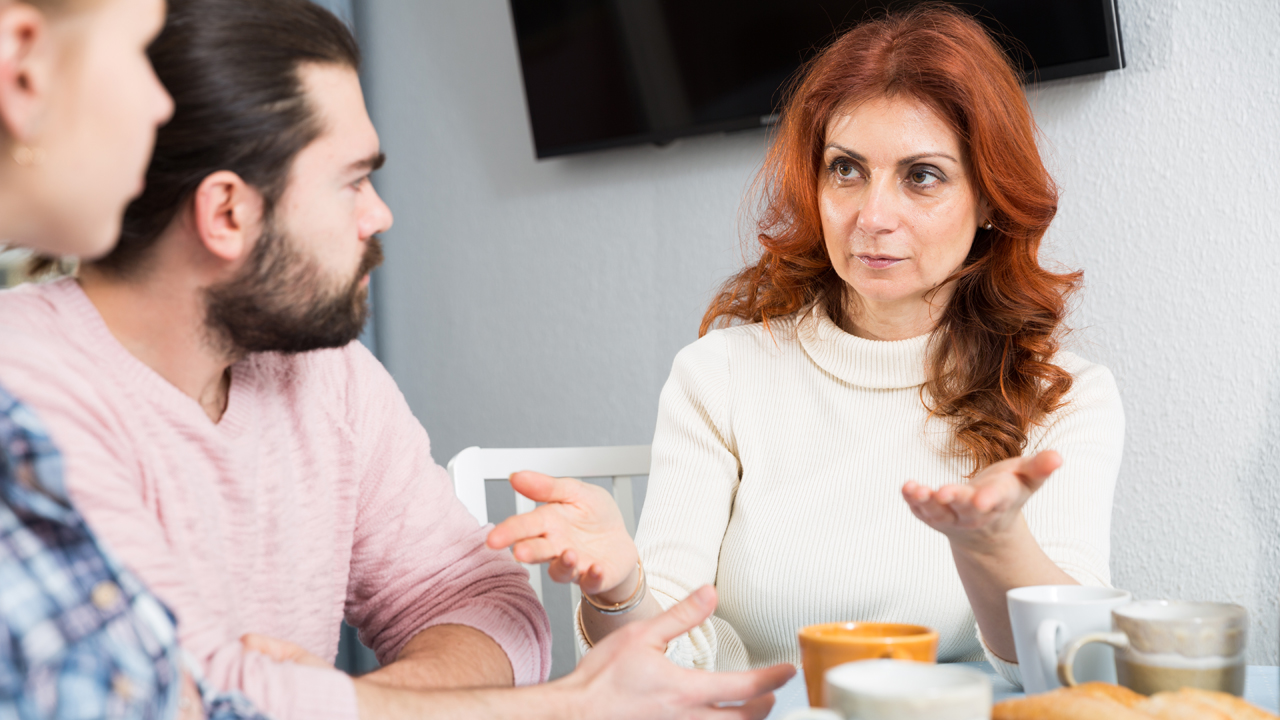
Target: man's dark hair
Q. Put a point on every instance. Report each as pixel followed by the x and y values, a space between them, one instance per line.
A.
pixel 239 105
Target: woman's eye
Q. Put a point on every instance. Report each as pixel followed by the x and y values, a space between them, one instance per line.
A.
pixel 844 170
pixel 923 177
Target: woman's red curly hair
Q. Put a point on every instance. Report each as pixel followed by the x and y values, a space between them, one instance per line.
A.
pixel 990 369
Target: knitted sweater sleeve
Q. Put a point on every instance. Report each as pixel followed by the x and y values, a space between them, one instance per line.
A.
pixel 1070 516
pixel 419 558
pixel 102 476
pixel 692 482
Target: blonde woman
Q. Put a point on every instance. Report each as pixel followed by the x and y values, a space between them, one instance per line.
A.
pixel 80 637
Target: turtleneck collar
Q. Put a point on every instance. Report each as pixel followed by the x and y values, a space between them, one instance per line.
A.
pixel 876 364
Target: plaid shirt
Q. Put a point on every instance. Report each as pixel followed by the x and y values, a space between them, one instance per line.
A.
pixel 80 637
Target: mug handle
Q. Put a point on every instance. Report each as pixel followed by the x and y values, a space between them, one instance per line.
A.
pixel 1117 640
pixel 1047 645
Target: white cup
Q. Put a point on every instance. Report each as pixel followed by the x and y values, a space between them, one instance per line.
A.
pixel 1045 617
pixel 901 690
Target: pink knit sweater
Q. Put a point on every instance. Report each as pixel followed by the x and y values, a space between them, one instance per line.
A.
pixel 314 498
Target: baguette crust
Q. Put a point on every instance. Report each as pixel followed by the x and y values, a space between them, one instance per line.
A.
pixel 1107 691
pixel 1063 704
pixel 1103 701
pixel 1234 707
pixel 1175 706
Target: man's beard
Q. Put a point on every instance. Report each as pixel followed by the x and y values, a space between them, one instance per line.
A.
pixel 281 301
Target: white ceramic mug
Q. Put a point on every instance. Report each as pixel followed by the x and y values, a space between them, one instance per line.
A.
pixel 1045 617
pixel 901 690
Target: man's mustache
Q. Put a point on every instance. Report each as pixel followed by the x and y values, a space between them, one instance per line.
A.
pixel 372 257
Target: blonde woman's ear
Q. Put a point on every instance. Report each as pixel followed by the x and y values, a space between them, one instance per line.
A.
pixel 25 62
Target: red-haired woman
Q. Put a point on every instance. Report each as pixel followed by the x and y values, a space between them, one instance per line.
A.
pixel 897 328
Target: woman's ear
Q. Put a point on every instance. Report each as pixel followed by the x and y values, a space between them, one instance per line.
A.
pixel 228 215
pixel 25 65
pixel 984 213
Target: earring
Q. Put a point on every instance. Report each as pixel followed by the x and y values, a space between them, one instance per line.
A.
pixel 27 156
pixel 988 226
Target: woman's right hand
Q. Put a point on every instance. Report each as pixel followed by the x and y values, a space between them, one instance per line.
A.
pixel 579 531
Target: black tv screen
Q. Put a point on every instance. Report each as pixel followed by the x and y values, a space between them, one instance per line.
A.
pixel 603 73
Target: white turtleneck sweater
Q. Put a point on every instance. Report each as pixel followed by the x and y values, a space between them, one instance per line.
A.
pixel 778 463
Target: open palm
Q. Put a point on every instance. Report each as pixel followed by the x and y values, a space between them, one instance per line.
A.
pixel 579 531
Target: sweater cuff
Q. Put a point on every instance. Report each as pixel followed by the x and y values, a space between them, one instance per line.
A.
pixel 695 649
pixel 530 661
pixel 1005 669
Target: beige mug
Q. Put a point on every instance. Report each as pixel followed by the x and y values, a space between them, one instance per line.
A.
pixel 1166 645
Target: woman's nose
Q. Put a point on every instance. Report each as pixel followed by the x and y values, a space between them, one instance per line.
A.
pixel 879 212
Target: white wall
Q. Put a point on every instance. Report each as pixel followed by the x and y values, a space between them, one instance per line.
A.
pixel 541 303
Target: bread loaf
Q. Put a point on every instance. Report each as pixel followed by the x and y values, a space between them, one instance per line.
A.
pixel 1065 704
pixel 1103 701
pixel 1234 707
pixel 1175 706
pixel 1107 691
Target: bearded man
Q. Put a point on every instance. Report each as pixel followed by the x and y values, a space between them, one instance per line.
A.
pixel 223 433
pixel 230 441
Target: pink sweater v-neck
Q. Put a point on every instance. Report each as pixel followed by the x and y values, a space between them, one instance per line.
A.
pixel 313 499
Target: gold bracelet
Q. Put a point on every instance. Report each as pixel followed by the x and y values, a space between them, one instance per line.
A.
pixel 627 605
pixel 583 629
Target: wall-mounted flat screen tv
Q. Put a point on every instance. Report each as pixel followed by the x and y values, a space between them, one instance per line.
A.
pixel 603 73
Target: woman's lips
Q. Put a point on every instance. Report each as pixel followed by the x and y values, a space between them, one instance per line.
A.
pixel 878 262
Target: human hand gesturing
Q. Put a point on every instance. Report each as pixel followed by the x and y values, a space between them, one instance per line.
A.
pixel 979 514
pixel 579 531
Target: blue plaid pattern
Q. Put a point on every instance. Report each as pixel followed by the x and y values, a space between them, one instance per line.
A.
pixel 80 637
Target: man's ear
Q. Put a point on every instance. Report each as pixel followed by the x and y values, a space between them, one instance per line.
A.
pixel 228 215
pixel 25 65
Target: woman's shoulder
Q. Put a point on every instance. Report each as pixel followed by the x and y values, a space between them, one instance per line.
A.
pixel 1093 392
pixel 775 337
pixel 1086 376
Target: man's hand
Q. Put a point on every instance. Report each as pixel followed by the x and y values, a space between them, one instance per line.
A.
pixel 628 675
pixel 191 705
pixel 625 677
pixel 281 650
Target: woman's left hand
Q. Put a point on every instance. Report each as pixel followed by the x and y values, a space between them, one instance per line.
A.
pixel 977 515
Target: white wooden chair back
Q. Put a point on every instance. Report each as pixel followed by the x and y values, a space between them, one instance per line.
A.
pixel 471 467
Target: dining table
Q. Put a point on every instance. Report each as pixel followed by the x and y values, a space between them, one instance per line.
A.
pixel 1261 687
